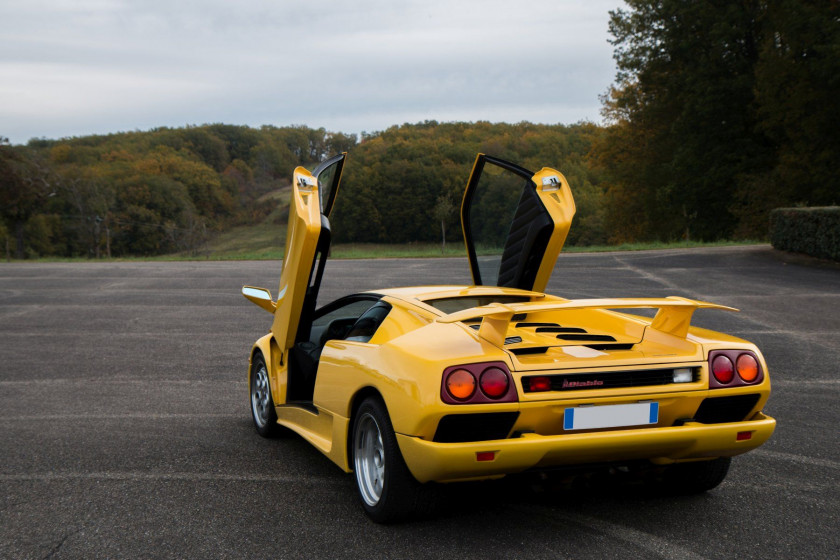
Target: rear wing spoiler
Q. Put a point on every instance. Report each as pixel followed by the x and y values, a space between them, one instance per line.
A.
pixel 673 316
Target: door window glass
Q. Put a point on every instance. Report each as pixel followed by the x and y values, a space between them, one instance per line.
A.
pixel 328 174
pixel 492 209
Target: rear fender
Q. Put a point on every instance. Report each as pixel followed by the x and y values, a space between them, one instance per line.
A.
pixel 270 350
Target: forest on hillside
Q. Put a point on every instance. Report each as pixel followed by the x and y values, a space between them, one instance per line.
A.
pixel 720 112
pixel 171 190
pixel 148 193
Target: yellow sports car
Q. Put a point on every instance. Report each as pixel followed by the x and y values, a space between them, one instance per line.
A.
pixel 406 386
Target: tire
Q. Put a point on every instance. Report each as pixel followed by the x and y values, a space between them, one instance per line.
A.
pixel 385 486
pixel 262 405
pixel 696 478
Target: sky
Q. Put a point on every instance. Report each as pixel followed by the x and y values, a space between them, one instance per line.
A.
pixel 79 67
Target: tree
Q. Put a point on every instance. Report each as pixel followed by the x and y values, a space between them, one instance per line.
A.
pixel 442 212
pixel 5 241
pixel 25 184
pixel 798 99
pixel 721 111
pixel 684 98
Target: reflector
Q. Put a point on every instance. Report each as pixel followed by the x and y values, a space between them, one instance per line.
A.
pixel 485 455
pixel 541 383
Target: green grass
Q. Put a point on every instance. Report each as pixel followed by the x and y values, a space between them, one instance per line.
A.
pixel 656 245
pixel 417 250
pixel 266 240
pixel 404 251
pixel 234 248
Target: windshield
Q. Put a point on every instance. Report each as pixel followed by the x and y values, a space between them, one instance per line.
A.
pixel 455 304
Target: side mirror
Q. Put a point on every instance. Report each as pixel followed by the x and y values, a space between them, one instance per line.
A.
pixel 260 297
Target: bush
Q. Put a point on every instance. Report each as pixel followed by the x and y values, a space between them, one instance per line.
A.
pixel 813 231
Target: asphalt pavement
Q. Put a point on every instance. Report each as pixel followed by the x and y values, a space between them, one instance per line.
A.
pixel 125 429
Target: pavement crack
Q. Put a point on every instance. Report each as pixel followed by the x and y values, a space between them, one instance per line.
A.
pixel 57 547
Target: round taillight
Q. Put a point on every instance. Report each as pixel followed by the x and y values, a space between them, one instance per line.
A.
pixel 747 367
pixel 494 382
pixel 460 384
pixel 722 369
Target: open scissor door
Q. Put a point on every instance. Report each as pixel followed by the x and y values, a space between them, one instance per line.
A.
pixel 307 243
pixel 515 223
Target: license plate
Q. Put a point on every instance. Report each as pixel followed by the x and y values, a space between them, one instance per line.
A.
pixel 610 416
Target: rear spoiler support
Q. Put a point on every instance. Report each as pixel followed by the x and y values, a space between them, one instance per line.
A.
pixel 673 316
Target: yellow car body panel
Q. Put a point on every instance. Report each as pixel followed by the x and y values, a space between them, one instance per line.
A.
pixel 423 332
pixel 558 200
pixel 404 367
pixel 301 242
pixel 452 462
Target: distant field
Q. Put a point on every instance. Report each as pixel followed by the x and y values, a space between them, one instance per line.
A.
pixel 266 241
pixel 247 242
pixel 233 251
pixel 426 250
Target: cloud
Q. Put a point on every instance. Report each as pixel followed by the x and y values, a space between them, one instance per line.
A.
pixel 97 66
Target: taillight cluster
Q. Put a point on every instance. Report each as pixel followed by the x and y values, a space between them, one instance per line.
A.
pixel 733 368
pixel 488 382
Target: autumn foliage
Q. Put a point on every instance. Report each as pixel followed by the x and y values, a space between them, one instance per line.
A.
pixel 721 111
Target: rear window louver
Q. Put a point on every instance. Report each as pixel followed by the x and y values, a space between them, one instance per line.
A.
pixel 603 347
pixel 567 333
pixel 529 351
pixel 610 346
pixel 601 342
pixel 560 330
pixel 593 337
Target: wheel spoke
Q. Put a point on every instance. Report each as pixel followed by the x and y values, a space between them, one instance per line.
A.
pixel 369 459
pixel 259 397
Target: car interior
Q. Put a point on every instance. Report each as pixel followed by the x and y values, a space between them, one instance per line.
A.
pixel 354 318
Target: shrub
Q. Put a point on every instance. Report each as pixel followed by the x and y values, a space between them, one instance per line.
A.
pixel 813 231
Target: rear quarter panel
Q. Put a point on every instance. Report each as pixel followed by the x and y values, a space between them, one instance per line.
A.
pixel 405 371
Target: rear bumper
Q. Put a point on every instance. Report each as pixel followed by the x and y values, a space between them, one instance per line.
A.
pixel 431 461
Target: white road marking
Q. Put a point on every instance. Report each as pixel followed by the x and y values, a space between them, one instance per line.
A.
pixel 128 416
pixel 142 476
pixel 658 279
pixel 805 382
pixel 796 458
pixel 646 541
pixel 117 381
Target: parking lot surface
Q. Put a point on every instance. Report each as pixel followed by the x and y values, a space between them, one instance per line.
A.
pixel 125 428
